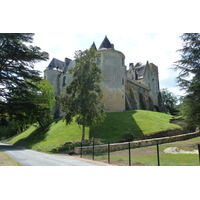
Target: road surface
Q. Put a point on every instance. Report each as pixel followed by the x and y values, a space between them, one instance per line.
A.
pixel 29 157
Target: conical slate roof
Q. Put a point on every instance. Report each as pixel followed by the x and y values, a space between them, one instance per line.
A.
pixel 106 44
pixel 94 46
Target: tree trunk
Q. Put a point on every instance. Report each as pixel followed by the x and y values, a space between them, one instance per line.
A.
pixel 83 133
pixel 40 123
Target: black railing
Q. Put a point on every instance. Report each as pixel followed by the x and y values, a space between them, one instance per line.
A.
pixel 129 152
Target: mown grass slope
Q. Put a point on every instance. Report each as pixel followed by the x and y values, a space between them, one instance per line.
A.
pixel 113 129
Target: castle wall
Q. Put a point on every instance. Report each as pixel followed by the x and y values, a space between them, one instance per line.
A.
pixel 137 95
pixel 113 84
pixel 52 75
pixel 151 80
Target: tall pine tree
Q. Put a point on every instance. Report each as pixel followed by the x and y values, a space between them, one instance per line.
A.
pixel 17 60
pixel 189 76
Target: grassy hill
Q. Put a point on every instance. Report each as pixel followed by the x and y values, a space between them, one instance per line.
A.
pixel 113 129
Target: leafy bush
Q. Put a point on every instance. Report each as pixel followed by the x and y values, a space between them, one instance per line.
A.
pixel 68 147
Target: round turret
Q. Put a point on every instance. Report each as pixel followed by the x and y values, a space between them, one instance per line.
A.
pixel 113 70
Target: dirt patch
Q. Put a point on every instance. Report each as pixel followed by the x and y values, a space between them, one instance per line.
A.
pixel 6 161
pixel 176 150
pixel 137 152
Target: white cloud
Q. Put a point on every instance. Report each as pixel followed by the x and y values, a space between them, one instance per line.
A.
pixel 159 48
pixel 62 27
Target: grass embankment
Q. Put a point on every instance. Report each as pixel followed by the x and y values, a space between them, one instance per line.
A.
pixel 113 129
pixel 5 160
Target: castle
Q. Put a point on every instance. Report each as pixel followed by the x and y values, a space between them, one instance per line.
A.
pixel 123 89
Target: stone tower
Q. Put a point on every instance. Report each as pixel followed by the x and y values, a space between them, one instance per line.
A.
pixel 114 72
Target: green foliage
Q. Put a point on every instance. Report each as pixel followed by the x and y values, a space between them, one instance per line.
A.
pixel 19 81
pixel 43 100
pixel 83 94
pixel 169 101
pixel 190 111
pixel 25 108
pixel 17 61
pixel 189 67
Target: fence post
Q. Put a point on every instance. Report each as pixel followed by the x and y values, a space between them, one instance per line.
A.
pixel 199 152
pixel 158 155
pixel 109 152
pixel 81 149
pixel 93 150
pixel 129 150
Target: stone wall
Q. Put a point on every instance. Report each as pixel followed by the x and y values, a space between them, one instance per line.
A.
pixel 136 144
pixel 134 91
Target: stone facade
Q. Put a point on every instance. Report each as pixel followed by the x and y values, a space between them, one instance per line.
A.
pixel 135 88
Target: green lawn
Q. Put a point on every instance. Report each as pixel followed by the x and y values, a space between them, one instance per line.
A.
pixel 165 160
pixel 55 135
pixel 138 122
pixel 148 155
pixel 113 128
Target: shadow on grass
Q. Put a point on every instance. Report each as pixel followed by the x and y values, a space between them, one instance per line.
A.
pixel 37 135
pixel 117 127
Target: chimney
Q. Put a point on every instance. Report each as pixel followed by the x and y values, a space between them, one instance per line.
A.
pixel 67 60
pixel 131 66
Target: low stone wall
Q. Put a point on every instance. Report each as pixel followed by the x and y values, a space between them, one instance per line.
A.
pixel 136 144
pixel 159 134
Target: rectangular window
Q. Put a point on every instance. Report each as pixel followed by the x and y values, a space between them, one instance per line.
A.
pixel 64 81
pixel 122 81
pixel 99 59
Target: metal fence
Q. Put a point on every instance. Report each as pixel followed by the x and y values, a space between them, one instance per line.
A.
pixel 109 158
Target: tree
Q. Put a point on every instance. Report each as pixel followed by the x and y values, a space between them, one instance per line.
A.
pixel 17 61
pixel 169 101
pixel 34 105
pixel 82 97
pixel 189 76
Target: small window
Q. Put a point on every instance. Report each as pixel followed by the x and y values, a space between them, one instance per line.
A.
pixel 122 61
pixel 122 81
pixel 99 59
pixel 64 81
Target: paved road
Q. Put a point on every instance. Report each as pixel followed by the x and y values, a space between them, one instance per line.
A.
pixel 28 157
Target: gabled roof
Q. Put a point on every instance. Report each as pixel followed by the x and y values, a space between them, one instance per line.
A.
pixel 93 46
pixel 55 63
pixel 106 44
pixel 140 71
